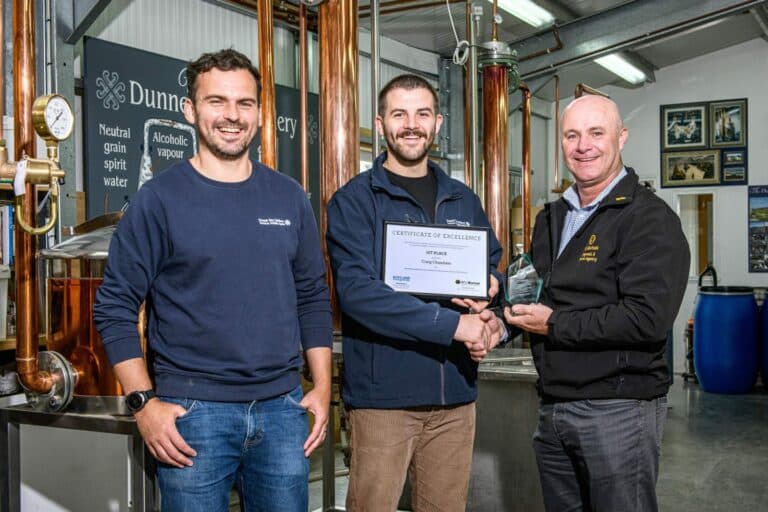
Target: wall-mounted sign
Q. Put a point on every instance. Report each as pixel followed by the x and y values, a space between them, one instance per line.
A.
pixel 758 229
pixel 135 128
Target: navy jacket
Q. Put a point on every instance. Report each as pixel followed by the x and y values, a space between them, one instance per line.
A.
pixel 615 291
pixel 398 349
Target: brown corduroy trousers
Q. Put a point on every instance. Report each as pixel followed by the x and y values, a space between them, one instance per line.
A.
pixel 431 445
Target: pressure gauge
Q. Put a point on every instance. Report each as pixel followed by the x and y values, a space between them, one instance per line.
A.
pixel 52 117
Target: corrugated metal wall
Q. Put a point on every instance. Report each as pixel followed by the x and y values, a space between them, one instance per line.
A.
pixel 184 29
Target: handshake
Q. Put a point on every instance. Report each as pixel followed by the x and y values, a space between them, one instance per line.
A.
pixel 480 333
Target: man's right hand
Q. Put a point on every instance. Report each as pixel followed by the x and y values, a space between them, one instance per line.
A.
pixel 157 425
pixel 479 333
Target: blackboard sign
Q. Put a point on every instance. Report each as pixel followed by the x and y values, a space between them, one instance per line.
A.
pixel 135 127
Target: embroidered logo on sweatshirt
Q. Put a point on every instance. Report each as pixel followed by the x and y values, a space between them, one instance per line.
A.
pixel 456 222
pixel 274 222
pixel 589 254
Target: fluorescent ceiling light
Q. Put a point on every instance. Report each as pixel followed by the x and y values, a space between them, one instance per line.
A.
pixel 527 11
pixel 617 65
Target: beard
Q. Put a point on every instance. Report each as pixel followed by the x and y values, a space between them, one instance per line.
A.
pixel 409 154
pixel 222 151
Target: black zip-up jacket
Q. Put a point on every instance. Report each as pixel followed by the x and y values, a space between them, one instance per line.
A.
pixel 615 291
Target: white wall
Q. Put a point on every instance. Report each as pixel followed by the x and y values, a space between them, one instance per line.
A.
pixel 737 72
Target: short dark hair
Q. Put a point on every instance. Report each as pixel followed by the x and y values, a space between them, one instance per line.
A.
pixel 225 60
pixel 407 82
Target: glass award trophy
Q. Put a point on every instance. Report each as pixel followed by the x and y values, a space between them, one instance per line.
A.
pixel 523 281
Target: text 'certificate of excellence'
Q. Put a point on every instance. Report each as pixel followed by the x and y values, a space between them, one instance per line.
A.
pixel 436 261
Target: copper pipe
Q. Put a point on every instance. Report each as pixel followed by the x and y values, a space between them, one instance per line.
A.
pixel 339 125
pixel 526 166
pixel 395 10
pixel 582 88
pixel 495 129
pixel 467 108
pixel 303 129
pixel 411 4
pixel 558 46
pixel 384 5
pixel 267 69
pixel 24 143
pixel 282 11
pixel 557 189
pixel 494 25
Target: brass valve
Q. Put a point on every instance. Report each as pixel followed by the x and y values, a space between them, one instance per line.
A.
pixel 38 172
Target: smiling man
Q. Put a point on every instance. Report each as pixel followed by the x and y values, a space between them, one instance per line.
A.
pixel 409 382
pixel 615 264
pixel 226 253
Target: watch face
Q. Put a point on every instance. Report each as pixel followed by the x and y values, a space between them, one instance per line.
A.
pixel 134 401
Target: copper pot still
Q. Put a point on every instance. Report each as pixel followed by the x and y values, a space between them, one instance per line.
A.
pixel 74 269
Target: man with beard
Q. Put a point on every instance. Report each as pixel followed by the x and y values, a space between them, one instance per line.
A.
pixel 227 255
pixel 409 378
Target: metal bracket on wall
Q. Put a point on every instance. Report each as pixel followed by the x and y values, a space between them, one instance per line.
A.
pixel 74 17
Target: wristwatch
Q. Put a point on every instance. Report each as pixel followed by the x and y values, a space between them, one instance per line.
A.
pixel 136 400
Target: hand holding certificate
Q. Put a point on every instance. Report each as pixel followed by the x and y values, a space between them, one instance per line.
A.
pixel 436 261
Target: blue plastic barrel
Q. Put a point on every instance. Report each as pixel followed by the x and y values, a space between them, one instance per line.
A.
pixel 725 339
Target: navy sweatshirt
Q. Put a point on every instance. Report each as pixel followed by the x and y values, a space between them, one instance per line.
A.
pixel 234 279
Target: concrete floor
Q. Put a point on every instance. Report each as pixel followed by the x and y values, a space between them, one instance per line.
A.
pixel 714 454
pixel 715 451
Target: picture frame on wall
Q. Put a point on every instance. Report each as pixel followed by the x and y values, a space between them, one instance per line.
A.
pixel 690 168
pixel 734 157
pixel 728 123
pixel 683 126
pixel 736 175
pixel 734 166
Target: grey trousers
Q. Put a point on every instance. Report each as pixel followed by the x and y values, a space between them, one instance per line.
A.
pixel 600 455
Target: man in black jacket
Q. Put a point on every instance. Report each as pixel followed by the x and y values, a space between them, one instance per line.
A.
pixel 615 264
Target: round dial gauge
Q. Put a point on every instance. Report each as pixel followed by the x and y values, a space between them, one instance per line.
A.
pixel 53 117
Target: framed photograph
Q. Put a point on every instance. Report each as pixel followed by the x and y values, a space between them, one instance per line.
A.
pixel 734 175
pixel 728 123
pixel 683 126
pixel 734 157
pixel 690 168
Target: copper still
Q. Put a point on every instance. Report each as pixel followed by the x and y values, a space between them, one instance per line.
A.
pixel 73 271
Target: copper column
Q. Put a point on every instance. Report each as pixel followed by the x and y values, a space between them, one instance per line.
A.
pixel 468 105
pixel 2 70
pixel 527 165
pixel 557 136
pixel 339 125
pixel 267 69
pixel 495 134
pixel 24 143
pixel 303 125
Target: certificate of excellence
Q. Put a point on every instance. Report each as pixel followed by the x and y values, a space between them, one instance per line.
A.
pixel 437 261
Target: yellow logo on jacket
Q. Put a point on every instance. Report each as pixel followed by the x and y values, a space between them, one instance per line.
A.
pixel 589 254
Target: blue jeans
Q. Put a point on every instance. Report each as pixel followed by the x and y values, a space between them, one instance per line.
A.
pixel 600 455
pixel 256 447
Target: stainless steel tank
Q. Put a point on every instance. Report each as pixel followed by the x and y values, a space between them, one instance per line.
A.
pixel 505 476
